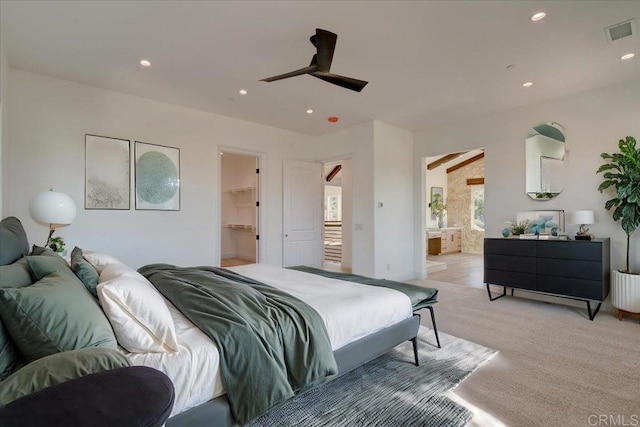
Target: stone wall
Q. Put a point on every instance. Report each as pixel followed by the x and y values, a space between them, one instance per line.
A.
pixel 459 205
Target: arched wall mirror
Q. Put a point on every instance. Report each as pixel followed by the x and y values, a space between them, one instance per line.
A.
pixel 544 154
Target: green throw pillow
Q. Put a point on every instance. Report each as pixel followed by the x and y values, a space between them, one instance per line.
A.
pixel 53 315
pixel 15 275
pixel 58 368
pixel 84 271
pixel 9 354
pixel 42 265
pixel 39 250
pixel 13 240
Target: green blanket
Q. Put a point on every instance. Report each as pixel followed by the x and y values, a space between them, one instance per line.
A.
pixel 271 344
pixel 420 297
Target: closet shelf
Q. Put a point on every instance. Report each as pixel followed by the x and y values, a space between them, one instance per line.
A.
pixel 241 190
pixel 242 227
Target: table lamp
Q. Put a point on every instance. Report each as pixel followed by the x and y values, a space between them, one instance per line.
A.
pixel 53 210
pixel 583 218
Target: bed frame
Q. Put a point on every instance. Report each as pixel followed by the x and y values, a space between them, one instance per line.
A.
pixel 217 412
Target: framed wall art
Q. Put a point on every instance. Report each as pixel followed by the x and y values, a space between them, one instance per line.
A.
pixel 157 177
pixel 539 222
pixel 107 183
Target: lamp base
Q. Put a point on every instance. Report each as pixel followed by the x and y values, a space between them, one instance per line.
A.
pixel 583 236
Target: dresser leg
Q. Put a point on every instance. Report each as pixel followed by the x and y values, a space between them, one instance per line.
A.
pixel 504 293
pixel 592 316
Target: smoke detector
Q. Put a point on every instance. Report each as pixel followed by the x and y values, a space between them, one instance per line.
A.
pixel 621 30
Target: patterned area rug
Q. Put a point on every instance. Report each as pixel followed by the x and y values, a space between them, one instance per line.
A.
pixel 390 390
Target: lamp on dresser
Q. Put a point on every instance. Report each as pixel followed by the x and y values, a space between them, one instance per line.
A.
pixel 583 218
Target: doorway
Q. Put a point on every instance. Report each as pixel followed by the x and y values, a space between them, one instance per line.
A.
pixel 338 212
pixel 454 217
pixel 239 209
pixel 332 216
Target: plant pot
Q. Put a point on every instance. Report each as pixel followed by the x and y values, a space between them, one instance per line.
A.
pixel 625 291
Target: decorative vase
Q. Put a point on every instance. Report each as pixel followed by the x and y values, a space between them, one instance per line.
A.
pixel 625 291
pixel 505 232
pixel 440 221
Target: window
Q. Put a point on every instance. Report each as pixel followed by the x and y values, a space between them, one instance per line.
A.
pixel 477 207
pixel 333 208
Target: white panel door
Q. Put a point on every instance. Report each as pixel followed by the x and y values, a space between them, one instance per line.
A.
pixel 302 213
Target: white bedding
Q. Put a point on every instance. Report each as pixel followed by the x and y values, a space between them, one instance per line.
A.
pixel 349 310
pixel 194 369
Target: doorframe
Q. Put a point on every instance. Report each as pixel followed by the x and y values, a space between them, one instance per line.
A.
pixel 423 274
pixel 337 159
pixel 260 194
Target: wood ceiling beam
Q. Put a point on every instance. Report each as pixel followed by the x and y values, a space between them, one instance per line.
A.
pixel 334 172
pixel 475 181
pixel 444 159
pixel 466 162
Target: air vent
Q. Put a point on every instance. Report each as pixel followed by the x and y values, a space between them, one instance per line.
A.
pixel 621 30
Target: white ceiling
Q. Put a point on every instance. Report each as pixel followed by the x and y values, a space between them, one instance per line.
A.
pixel 427 62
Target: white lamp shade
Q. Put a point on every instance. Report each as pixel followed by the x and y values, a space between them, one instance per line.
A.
pixel 53 209
pixel 583 217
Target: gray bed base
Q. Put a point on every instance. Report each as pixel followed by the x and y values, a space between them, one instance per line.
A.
pixel 216 412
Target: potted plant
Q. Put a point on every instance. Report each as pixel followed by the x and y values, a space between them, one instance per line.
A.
pixel 439 208
pixel 622 172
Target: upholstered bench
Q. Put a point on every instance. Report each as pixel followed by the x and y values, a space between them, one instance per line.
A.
pixel 131 396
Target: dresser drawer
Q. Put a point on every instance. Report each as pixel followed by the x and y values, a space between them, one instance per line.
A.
pixel 510 278
pixel 520 264
pixel 580 288
pixel 510 247
pixel 579 250
pixel 590 270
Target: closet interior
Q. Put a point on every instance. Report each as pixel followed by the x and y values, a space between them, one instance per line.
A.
pixel 239 209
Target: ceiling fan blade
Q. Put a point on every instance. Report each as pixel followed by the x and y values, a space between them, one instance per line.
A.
pixel 345 82
pixel 325 42
pixel 301 71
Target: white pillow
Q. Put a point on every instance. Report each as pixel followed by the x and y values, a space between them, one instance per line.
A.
pixel 99 261
pixel 113 270
pixel 138 314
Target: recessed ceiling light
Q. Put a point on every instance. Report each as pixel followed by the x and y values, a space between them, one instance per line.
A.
pixel 242 92
pixel 538 16
pixel 627 56
pixel 145 63
pixel 309 111
pixel 527 84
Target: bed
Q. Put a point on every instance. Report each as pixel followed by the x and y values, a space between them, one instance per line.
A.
pixel 118 307
pixel 362 322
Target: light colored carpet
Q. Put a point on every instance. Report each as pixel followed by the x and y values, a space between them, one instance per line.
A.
pixel 390 390
pixel 554 367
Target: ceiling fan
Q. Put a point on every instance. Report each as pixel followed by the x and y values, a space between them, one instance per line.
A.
pixel 325 43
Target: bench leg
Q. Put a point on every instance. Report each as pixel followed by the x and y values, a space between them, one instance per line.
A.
pixel 414 340
pixel 435 327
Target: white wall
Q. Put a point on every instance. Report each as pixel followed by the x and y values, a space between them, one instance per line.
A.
pixel 49 118
pixel 4 128
pixel 594 121
pixel 434 178
pixel 393 171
